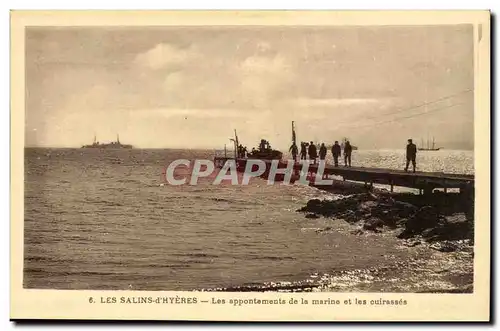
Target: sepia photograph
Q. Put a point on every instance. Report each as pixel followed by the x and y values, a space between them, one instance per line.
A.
pixel 279 158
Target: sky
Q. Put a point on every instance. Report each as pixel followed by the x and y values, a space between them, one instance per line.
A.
pixel 190 87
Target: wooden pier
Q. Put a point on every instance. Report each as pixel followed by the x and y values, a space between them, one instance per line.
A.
pixel 425 182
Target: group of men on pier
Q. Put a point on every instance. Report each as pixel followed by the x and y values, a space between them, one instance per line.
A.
pixel 310 151
pixel 242 151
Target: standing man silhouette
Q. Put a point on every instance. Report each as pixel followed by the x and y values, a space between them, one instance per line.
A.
pixel 303 151
pixel 336 151
pixel 411 155
pixel 347 153
pixel 322 151
pixel 313 153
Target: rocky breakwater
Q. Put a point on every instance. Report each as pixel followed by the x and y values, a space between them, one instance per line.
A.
pixel 443 219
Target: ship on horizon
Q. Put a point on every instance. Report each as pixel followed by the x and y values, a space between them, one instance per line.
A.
pixel 429 147
pixel 112 145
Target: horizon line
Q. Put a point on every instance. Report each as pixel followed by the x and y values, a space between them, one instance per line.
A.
pixel 229 149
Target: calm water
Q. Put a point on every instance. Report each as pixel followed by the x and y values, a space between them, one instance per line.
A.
pixel 103 219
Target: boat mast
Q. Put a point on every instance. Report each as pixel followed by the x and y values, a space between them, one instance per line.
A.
pixel 294 136
pixel 236 144
pixel 433 143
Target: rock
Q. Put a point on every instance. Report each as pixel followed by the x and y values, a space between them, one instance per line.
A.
pixel 364 197
pixel 350 217
pixel 367 206
pixel 452 228
pixel 428 232
pixel 328 228
pixel 313 203
pixel 401 222
pixel 445 246
pixel 404 234
pixel 388 216
pixel 373 224
pixel 426 217
pixel 325 208
pixel 416 215
pixel 412 243
pixel 405 209
pixel 357 232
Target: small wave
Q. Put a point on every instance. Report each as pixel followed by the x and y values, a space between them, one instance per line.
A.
pixel 221 200
pixel 272 258
pixel 204 189
pixel 195 255
pixel 68 273
pixel 225 200
pixel 174 265
pixel 127 180
pixel 285 286
pixel 235 201
pixel 232 208
pixel 310 229
pixel 103 202
pixel 309 192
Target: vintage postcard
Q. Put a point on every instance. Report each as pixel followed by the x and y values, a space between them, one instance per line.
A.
pixel 250 166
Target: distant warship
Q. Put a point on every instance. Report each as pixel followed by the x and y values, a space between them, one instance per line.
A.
pixel 113 145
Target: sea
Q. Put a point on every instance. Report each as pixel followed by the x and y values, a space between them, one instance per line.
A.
pixel 107 220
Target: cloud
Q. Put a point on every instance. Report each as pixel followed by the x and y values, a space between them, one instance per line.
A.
pixel 259 80
pixel 164 55
pixel 252 82
pixel 334 102
pixel 265 64
pixel 263 46
pixel 198 113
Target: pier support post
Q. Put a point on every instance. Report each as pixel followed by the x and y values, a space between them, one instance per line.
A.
pixel 428 190
pixel 467 191
pixel 392 188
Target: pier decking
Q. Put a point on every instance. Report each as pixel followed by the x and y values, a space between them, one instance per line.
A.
pixel 426 182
